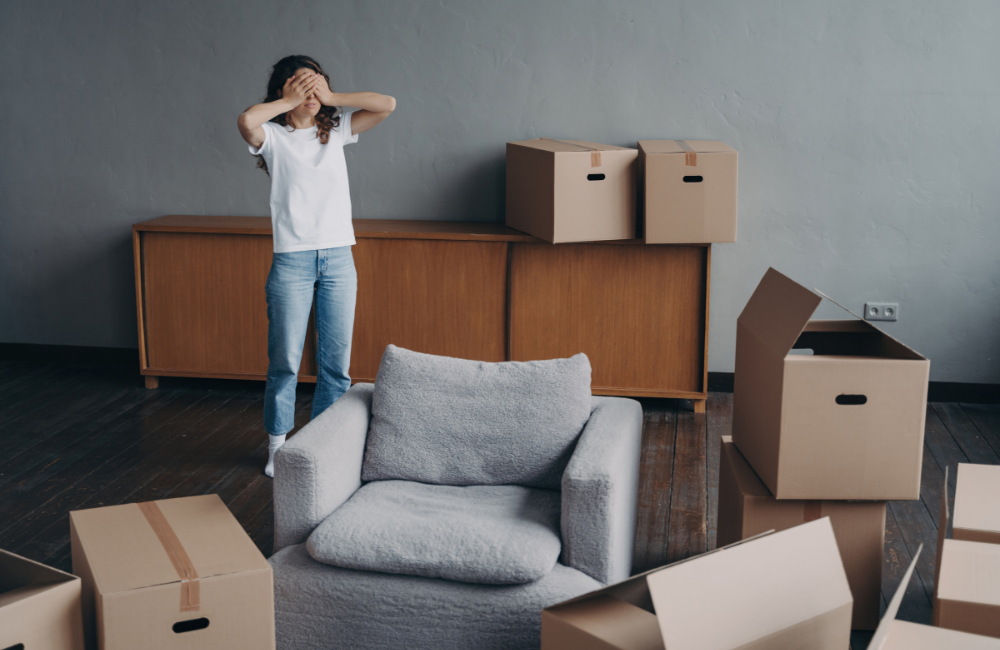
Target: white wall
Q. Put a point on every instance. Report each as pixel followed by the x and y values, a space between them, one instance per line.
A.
pixel 868 135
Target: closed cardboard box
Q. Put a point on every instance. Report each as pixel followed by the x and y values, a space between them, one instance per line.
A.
pixel 688 191
pixel 571 190
pixel 893 634
pixel 39 606
pixel 779 591
pixel 172 574
pixel 977 504
pixel 844 422
pixel 967 580
pixel 746 509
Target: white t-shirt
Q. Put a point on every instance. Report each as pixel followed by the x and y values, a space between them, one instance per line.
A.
pixel 310 197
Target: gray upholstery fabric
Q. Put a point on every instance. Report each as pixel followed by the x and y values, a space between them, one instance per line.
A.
pixel 489 534
pixel 318 606
pixel 458 422
pixel 600 491
pixel 319 467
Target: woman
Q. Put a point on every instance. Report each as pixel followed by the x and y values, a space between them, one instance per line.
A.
pixel 298 135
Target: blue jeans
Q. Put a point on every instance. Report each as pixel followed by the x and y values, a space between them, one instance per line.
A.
pixel 294 279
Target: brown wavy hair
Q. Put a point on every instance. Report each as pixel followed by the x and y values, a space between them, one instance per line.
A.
pixel 328 117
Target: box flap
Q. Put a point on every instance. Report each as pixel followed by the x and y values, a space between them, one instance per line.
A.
pixel 748 481
pixel 977 497
pixel 615 622
pixel 562 145
pixel 125 553
pixel 673 146
pixel 17 572
pixel 885 625
pixel 778 311
pixel 943 519
pixel 761 588
pixel 970 572
pixel 913 636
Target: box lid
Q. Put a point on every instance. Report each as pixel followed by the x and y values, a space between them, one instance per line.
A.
pixel 763 587
pixel 747 480
pixel 780 309
pixel 568 146
pixel 125 553
pixel 676 146
pixel 970 572
pixel 977 497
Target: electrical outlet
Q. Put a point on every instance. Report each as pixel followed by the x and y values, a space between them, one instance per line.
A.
pixel 881 311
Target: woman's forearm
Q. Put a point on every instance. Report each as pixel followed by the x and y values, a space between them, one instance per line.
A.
pixel 256 115
pixel 373 102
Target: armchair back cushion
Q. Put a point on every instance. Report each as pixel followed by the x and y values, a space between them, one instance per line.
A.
pixel 448 421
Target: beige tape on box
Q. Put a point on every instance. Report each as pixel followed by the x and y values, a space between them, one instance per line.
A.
pixel 190 589
pixel 595 154
pixel 690 156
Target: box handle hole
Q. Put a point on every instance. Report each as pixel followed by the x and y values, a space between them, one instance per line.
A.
pixel 693 179
pixel 848 400
pixel 16 646
pixel 190 626
pixel 595 177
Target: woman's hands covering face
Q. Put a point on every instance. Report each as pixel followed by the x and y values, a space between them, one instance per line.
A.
pixel 298 87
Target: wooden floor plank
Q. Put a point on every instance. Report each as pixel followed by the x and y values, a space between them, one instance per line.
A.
pixel 986 417
pixel 719 423
pixel 50 521
pixel 916 607
pixel 655 473
pixel 943 447
pixel 19 385
pixel 966 434
pixel 687 534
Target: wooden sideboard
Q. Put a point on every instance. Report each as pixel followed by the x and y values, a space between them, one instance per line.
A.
pixel 470 290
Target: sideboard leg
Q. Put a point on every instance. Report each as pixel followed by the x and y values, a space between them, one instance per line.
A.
pixel 698 405
pixel 152 382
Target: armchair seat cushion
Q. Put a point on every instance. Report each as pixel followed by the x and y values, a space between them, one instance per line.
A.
pixel 486 534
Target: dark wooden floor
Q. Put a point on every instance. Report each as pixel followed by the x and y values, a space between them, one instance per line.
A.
pixel 78 436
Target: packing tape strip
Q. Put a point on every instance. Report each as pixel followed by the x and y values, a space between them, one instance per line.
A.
pixel 812 511
pixel 190 588
pixel 595 154
pixel 690 156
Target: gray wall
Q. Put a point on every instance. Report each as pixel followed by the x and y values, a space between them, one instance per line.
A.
pixel 868 135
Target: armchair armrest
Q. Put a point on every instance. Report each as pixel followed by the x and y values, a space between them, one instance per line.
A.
pixel 600 491
pixel 319 468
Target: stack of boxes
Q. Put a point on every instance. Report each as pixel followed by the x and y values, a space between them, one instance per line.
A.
pixel 834 432
pixel 665 192
pixel 967 580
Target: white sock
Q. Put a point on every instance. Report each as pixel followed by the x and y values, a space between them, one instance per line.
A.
pixel 273 445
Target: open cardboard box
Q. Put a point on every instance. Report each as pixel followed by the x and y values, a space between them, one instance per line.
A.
pixel 967 574
pixel 746 509
pixel 172 574
pixel 778 591
pixel 39 606
pixel 977 504
pixel 571 190
pixel 893 634
pixel 688 191
pixel 846 422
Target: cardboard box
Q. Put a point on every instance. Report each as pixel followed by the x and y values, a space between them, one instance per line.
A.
pixel 571 190
pixel 847 421
pixel 967 575
pixel 132 558
pixel 746 509
pixel 687 191
pixel 778 591
pixel 39 606
pixel 893 634
pixel 977 504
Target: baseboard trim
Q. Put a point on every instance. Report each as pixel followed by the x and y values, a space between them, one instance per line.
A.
pixel 718 382
pixel 937 391
pixel 77 354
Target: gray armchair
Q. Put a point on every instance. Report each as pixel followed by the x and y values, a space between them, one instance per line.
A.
pixel 322 606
